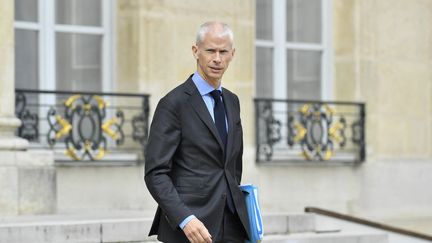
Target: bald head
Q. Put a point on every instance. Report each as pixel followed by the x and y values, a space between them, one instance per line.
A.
pixel 219 28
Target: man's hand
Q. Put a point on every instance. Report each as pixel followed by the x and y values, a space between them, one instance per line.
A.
pixel 196 232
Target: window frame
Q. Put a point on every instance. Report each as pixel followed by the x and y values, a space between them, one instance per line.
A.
pixel 47 28
pixel 280 46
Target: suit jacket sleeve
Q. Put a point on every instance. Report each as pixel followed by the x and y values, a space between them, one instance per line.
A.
pixel 164 138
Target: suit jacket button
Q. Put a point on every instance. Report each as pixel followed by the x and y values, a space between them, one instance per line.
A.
pixel 223 196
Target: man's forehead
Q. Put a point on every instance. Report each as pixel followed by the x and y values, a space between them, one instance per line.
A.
pixel 216 41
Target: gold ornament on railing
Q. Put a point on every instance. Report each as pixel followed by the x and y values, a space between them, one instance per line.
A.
pixel 82 127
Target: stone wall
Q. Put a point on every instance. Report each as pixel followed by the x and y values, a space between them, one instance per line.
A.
pixel 383 56
pixel 153 55
pixel 154 41
pixel 27 179
pixel 27 183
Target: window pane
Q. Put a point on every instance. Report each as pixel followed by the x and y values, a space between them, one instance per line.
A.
pixel 304 21
pixel 264 20
pixel 79 12
pixel 26 59
pixel 264 72
pixel 26 10
pixel 78 60
pixel 304 74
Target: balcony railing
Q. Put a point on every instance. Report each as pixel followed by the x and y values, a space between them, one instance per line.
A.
pixel 84 126
pixel 304 131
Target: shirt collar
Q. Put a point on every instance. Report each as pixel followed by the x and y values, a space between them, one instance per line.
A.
pixel 202 85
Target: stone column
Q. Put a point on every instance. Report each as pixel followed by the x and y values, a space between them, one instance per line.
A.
pixel 27 178
pixel 8 121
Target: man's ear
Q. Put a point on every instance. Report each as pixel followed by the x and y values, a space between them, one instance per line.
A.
pixel 233 52
pixel 195 51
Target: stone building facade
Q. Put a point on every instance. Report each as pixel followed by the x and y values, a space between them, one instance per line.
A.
pixel 379 52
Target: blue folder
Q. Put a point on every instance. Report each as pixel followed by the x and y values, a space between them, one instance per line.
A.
pixel 254 212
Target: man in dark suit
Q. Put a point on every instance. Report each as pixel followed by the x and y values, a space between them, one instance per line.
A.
pixel 194 153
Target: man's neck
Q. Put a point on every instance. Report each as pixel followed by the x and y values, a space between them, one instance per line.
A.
pixel 214 83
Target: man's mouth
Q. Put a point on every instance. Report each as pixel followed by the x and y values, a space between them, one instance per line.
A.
pixel 216 68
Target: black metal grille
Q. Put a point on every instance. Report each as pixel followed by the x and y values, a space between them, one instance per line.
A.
pixel 306 130
pixel 85 126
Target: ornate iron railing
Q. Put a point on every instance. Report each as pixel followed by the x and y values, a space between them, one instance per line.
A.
pixel 85 126
pixel 304 130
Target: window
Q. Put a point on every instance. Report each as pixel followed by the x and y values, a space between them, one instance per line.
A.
pixel 292 49
pixel 63 44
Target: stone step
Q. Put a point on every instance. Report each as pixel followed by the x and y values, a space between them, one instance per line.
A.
pixel 134 226
pixel 295 223
pixel 76 229
pixel 336 237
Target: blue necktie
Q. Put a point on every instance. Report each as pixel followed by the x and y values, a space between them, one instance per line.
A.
pixel 220 121
pixel 219 115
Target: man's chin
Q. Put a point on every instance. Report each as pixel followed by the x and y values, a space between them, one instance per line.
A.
pixel 216 76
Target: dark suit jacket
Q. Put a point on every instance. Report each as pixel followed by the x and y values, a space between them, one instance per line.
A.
pixel 187 167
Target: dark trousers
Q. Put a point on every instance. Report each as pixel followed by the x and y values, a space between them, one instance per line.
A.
pixel 231 230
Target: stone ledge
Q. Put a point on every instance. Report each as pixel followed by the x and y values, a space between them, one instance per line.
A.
pixel 62 228
pixel 27 182
pixel 9 123
pixel 30 158
pixel 290 223
pixel 124 227
pixel 11 143
pixel 133 226
pixel 327 238
pixel 8 141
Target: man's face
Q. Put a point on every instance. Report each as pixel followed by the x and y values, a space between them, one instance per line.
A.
pixel 213 55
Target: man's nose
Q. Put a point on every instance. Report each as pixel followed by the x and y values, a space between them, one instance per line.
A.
pixel 217 57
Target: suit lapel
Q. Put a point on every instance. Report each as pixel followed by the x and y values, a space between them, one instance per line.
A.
pixel 199 107
pixel 229 106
